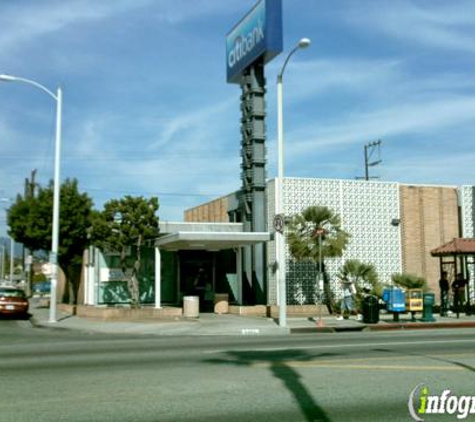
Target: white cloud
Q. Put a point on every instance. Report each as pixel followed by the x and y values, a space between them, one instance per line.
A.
pixel 8 137
pixel 399 120
pixel 178 160
pixel 197 123
pixel 306 78
pixel 180 11
pixel 448 25
pixel 26 21
pixel 454 167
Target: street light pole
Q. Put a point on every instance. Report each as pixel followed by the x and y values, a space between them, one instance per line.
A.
pixel 56 186
pixel 12 263
pixel 56 194
pixel 3 263
pixel 279 192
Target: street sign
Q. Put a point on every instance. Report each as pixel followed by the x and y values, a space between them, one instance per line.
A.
pixel 319 231
pixel 258 34
pixel 279 223
pixel 47 269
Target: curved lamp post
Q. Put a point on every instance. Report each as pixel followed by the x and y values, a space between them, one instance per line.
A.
pixel 55 235
pixel 279 200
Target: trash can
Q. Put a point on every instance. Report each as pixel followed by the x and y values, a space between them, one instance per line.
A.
pixel 370 310
pixel 191 306
pixel 221 303
pixel 427 314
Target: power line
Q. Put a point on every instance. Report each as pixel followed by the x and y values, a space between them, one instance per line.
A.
pixel 203 195
pixel 146 156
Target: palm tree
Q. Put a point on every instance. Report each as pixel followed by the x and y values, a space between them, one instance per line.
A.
pixel 314 235
pixel 363 276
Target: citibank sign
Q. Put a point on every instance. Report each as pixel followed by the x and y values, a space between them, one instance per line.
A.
pixel 258 34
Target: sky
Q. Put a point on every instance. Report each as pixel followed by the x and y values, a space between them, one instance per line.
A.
pixel 147 110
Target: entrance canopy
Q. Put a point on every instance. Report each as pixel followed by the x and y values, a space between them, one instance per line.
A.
pixel 210 241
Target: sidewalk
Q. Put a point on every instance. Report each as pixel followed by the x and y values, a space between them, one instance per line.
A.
pixel 206 324
pixel 212 324
pixel 386 322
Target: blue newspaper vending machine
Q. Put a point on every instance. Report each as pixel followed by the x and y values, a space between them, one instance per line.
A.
pixel 395 300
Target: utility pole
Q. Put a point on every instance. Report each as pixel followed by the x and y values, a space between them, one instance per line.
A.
pixel 30 185
pixel 371 149
pixel 27 258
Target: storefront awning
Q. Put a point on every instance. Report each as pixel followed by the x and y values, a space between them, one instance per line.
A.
pixel 211 241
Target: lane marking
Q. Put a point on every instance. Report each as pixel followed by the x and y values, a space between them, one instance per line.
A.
pixel 344 363
pixel 337 346
pixel 409 356
pixel 345 366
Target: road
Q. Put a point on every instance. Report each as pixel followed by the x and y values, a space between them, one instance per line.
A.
pixel 58 375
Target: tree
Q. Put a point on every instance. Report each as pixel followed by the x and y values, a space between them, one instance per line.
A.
pixel 363 276
pixel 30 222
pixel 315 235
pixel 123 225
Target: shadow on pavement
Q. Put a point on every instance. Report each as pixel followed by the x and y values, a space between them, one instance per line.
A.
pixel 280 364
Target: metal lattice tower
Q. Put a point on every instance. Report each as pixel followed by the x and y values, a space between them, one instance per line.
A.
pixel 253 175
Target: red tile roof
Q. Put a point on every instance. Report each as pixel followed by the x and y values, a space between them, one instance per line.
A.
pixel 459 246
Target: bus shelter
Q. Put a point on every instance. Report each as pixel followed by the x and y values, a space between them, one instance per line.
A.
pixel 458 256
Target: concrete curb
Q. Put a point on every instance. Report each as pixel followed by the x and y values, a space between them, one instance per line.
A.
pixel 421 325
pixel 384 327
pixel 47 326
pixel 305 330
pixel 173 329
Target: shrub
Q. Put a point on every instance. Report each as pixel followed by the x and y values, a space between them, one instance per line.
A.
pixel 409 281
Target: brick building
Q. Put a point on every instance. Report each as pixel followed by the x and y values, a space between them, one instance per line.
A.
pixel 393 226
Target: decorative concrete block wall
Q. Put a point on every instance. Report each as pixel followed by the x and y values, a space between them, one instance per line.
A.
pixel 467 208
pixel 467 204
pixel 366 209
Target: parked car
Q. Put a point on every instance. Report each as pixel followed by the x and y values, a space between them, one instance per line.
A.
pixel 13 301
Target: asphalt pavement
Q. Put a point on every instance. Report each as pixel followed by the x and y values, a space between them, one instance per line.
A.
pixel 227 324
pixel 59 375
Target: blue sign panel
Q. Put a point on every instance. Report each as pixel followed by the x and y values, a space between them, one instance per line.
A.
pixel 258 34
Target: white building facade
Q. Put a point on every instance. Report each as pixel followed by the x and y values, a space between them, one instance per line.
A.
pixel 369 211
